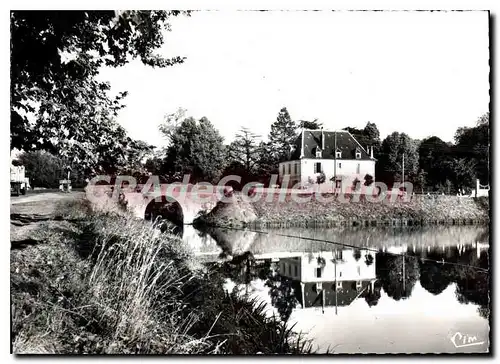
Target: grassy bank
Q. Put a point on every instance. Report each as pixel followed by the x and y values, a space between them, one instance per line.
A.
pixel 421 210
pixel 104 283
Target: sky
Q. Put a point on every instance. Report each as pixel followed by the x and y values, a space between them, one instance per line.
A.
pixel 422 73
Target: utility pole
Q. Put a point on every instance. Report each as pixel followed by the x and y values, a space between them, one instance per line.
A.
pixel 336 288
pixel 403 169
pixel 335 162
pixel 404 276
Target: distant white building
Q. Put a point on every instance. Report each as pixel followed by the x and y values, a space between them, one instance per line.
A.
pixel 337 154
pixel 329 278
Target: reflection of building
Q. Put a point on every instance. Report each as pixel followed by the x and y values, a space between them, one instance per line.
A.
pixel 333 278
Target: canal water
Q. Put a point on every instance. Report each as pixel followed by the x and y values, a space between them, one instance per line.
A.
pixel 377 290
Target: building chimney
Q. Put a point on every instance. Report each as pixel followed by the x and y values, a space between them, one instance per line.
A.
pixel 371 152
pixel 322 139
pixel 302 144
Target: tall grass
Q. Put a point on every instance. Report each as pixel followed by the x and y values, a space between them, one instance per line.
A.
pixel 116 285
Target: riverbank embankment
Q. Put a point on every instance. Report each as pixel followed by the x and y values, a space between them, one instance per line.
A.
pixel 330 211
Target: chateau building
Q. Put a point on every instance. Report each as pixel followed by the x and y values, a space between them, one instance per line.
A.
pixel 335 155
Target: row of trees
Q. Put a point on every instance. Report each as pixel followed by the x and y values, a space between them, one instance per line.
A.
pixel 196 147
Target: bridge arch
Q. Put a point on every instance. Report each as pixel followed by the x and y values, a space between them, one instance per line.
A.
pixel 168 210
pixel 174 205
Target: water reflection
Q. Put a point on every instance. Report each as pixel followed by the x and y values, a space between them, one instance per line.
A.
pixel 298 275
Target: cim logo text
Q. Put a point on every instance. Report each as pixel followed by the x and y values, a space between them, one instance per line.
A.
pixel 463 340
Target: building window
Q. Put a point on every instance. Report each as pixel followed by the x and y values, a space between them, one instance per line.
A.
pixel 358 154
pixel 317 168
pixel 318 272
pixel 296 271
pixel 282 169
pixel 289 270
pixel 318 153
pixel 295 168
pixel 340 165
pixel 339 285
pixel 358 284
pixel 338 154
pixel 357 169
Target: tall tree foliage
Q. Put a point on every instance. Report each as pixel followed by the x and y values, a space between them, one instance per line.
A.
pixel 195 148
pixel 57 103
pixel 137 152
pixel 460 173
pixel 42 168
pixel 244 150
pixel 435 157
pixel 171 122
pixel 266 163
pixel 282 137
pixel 474 144
pixel 368 136
pixel 391 158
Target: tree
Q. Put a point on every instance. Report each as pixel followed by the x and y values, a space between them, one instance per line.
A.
pixel 372 296
pixel 421 180
pixel 312 125
pixel 42 168
pixel 434 154
pixel 372 134
pixel 154 164
pixel 368 136
pixel 57 103
pixel 245 150
pixel 391 158
pixel 282 137
pixel 266 163
pixel 356 133
pixel 137 152
pixel 171 122
pixel 103 150
pixel 434 277
pixel 196 148
pixel 389 270
pixel 282 294
pixel 474 144
pixel 461 173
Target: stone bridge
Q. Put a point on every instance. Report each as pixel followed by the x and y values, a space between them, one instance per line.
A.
pixel 178 203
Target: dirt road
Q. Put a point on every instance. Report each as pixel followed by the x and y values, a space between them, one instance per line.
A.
pixel 40 197
pixel 28 212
